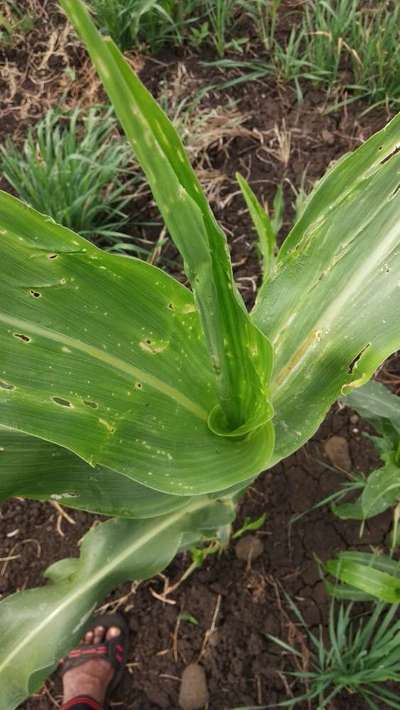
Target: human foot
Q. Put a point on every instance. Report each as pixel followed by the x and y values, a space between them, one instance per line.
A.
pixel 92 666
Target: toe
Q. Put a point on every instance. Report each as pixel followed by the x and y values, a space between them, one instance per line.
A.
pixel 98 634
pixel 88 638
pixel 113 632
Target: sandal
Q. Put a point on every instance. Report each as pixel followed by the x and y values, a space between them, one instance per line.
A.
pixel 114 650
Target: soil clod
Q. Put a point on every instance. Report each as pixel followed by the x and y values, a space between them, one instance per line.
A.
pixel 249 548
pixel 193 694
pixel 337 451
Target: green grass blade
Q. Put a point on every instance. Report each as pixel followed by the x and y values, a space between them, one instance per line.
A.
pixel 379 584
pixel 262 225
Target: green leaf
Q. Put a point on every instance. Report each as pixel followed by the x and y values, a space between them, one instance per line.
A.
pixel 240 354
pixel 381 491
pixel 250 524
pixel 374 575
pixel 105 356
pixel 39 626
pixel 379 562
pixel 186 616
pixel 375 402
pixel 262 225
pixel 379 406
pixel 278 206
pixel 331 306
pixel 33 468
pixel 349 511
pixel 346 592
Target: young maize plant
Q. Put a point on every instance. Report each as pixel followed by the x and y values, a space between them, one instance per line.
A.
pixel 364 575
pixel 126 394
pixel 381 489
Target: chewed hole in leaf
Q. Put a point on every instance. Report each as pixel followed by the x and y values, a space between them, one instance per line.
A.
pixel 357 358
pixel 153 346
pixel 52 256
pixel 391 155
pixel 138 386
pixel 61 401
pixel 90 403
pixel 21 336
pixel 171 306
pixel 6 386
pixel 35 294
pixel 108 425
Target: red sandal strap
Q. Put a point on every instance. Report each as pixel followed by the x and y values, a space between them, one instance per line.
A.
pixel 88 651
pixel 82 700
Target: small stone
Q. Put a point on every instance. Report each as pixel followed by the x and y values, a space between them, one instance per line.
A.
pixel 328 137
pixel 249 548
pixel 214 638
pixel 354 418
pixel 337 451
pixel 193 694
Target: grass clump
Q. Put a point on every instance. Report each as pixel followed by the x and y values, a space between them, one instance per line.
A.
pixel 14 21
pixel 70 167
pixel 355 43
pixel 361 655
pixel 349 47
pixel 158 23
pixel 130 22
pixel 376 62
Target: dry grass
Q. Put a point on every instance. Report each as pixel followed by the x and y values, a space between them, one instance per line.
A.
pixel 48 67
pixel 42 68
pixel 205 131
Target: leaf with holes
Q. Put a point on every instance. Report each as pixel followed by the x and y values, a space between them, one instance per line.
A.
pixel 331 305
pixel 240 354
pixel 160 388
pixel 105 356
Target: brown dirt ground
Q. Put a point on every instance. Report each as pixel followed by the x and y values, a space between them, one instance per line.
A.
pixel 246 602
pixel 243 666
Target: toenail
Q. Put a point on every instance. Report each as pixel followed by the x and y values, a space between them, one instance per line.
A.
pixel 113 631
pixel 98 634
